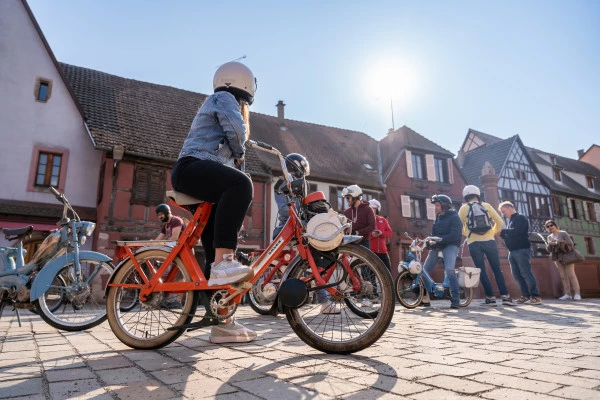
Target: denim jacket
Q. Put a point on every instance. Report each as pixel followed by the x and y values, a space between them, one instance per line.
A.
pixel 218 132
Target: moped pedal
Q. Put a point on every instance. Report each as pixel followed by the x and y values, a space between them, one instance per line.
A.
pixel 203 323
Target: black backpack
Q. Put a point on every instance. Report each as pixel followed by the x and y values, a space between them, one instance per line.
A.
pixel 478 220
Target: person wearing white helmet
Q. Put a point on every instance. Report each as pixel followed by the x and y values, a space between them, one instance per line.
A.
pixel 379 236
pixel 211 168
pixel 359 213
pixel 480 224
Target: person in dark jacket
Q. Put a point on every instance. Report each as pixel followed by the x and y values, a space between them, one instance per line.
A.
pixel 448 227
pixel 516 237
pixel 359 213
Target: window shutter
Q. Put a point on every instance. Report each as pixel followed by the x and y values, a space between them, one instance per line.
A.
pixel 450 171
pixel 570 205
pixel 430 167
pixel 148 186
pixel 430 210
pixel 405 201
pixel 586 213
pixel 597 211
pixel 409 167
pixel 333 199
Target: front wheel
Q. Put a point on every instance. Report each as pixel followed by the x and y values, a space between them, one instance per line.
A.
pixel 409 289
pixel 74 304
pixel 466 296
pixel 145 324
pixel 345 332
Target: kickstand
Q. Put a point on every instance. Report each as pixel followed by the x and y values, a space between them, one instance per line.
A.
pixel 18 316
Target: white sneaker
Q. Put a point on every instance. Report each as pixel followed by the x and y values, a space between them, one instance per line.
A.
pixel 229 271
pixel 577 297
pixel 231 333
pixel 330 308
pixel 566 297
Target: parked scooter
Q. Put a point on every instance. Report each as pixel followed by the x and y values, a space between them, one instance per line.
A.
pixel 63 284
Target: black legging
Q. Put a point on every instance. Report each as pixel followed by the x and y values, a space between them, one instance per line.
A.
pixel 230 191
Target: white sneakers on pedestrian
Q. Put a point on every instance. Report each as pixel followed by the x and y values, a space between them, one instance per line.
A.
pixel 330 308
pixel 577 297
pixel 231 332
pixel 229 271
pixel 566 297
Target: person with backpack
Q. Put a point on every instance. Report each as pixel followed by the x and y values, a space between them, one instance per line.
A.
pixel 480 224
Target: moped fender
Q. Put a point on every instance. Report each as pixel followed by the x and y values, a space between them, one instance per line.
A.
pixel 123 262
pixel 44 278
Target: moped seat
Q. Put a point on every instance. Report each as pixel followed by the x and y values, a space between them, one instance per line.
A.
pixel 182 199
pixel 11 234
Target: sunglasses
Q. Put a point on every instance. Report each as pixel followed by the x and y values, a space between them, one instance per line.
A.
pixel 550 225
pixel 348 197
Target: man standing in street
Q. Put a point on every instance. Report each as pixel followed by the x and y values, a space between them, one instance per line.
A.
pixel 516 238
pixel 360 213
pixel 172 225
pixel 480 224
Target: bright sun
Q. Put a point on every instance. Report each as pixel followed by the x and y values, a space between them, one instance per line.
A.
pixel 392 79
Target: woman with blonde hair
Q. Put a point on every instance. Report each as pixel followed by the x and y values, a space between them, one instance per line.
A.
pixel 559 243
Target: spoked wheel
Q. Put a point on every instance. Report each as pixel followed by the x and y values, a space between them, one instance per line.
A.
pixel 143 325
pixel 466 296
pixel 409 290
pixel 76 304
pixel 262 295
pixel 345 332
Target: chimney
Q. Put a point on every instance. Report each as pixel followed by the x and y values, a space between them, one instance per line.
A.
pixel 281 113
pixel 580 153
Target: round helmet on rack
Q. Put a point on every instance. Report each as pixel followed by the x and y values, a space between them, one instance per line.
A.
pixel 163 208
pixel 237 79
pixel 297 165
pixel 352 190
pixel 375 204
pixel 470 190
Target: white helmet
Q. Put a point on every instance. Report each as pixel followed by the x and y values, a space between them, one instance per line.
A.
pixel 236 78
pixel 375 204
pixel 352 190
pixel 471 189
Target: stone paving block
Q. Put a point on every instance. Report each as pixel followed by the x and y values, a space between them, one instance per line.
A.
pixel 85 388
pixel 147 390
pixel 274 389
pixel 173 375
pixel 447 360
pixel 456 384
pixel 65 362
pixel 372 394
pixel 122 375
pixel 235 374
pixel 109 362
pixel 439 394
pixel 450 370
pixel 563 379
pixel 390 384
pixel 7 354
pixel 573 392
pixel 23 387
pixel 62 348
pixel 495 368
pixel 159 363
pixel 209 388
pixel 513 394
pixel 236 396
pixel 514 382
pixel 20 372
pixel 588 373
pixel 73 374
pixel 541 366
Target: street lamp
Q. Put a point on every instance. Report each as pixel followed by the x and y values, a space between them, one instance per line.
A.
pixel 118 151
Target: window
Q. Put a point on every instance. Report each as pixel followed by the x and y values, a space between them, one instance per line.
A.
pixel 417 208
pixel 553 160
pixel 539 206
pixel 520 175
pixel 557 206
pixel 418 164
pixel 557 176
pixel 43 89
pixel 590 182
pixel 573 213
pixel 148 185
pixel 48 169
pixel 507 195
pixel 441 169
pixel 590 213
pixel 589 245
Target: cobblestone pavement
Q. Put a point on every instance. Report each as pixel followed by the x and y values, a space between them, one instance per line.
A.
pixel 527 352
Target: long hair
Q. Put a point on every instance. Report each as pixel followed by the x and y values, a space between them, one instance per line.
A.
pixel 245 111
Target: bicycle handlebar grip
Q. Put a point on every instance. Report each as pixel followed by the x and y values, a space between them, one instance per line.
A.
pixel 55 193
pixel 263 145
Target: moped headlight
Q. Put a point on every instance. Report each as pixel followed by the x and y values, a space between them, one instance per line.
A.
pixel 87 228
pixel 415 267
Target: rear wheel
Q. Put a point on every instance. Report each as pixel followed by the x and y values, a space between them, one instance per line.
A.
pixel 76 304
pixel 409 289
pixel 144 325
pixel 345 332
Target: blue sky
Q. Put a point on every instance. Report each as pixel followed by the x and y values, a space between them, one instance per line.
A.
pixel 500 67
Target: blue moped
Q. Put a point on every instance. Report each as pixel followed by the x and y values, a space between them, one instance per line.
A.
pixel 61 283
pixel 413 283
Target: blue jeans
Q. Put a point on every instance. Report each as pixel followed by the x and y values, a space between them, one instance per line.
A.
pixel 520 266
pixel 449 256
pixel 488 249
